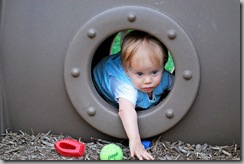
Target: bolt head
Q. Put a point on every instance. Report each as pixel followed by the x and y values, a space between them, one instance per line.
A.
pixel 131 17
pixel 187 74
pixel 91 111
pixel 91 33
pixel 171 34
pixel 75 72
pixel 170 113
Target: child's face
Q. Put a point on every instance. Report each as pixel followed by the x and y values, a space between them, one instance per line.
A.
pixel 144 74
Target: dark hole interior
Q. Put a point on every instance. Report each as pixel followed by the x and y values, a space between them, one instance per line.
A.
pixel 104 50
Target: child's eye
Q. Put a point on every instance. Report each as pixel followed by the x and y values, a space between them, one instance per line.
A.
pixel 139 73
pixel 155 72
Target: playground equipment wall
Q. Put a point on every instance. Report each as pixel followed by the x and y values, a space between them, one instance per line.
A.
pixel 48 50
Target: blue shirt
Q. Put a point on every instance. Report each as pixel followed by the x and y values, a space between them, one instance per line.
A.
pixel 111 66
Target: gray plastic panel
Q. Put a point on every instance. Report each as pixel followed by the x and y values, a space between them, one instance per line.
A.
pixel 36 36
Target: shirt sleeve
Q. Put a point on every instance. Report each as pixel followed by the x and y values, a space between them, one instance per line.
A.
pixel 123 90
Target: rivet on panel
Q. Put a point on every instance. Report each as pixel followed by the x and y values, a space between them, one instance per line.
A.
pixel 91 33
pixel 187 74
pixel 170 113
pixel 75 72
pixel 171 34
pixel 131 17
pixel 91 111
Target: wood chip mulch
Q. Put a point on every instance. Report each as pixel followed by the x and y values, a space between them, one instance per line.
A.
pixel 23 146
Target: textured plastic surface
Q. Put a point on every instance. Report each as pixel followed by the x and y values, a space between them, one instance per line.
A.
pixel 70 147
pixel 37 35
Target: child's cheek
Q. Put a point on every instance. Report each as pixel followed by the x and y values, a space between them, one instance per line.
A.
pixel 157 81
pixel 137 83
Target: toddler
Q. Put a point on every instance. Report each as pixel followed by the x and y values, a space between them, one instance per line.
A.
pixel 134 78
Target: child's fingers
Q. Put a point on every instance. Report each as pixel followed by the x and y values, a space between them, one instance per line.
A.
pixel 143 154
pixel 139 156
pixel 147 156
pixel 150 157
pixel 132 153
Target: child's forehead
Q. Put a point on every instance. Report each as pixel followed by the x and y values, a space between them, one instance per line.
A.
pixel 146 54
pixel 145 62
pixel 142 53
pixel 139 67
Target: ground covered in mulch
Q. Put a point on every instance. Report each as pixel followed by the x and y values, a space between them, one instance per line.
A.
pixel 23 146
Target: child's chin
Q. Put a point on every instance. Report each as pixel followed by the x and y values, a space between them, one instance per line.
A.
pixel 147 92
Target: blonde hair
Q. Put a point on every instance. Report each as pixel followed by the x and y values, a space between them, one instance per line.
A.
pixel 134 40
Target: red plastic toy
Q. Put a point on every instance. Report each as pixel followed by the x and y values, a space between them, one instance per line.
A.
pixel 70 147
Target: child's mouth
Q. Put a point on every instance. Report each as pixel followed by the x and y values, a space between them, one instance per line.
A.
pixel 147 89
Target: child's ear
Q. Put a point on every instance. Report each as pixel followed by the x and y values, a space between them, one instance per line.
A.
pixel 125 69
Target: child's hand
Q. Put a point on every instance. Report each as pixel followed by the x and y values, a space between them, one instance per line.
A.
pixel 136 148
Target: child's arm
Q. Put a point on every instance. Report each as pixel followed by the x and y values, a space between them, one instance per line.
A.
pixel 128 117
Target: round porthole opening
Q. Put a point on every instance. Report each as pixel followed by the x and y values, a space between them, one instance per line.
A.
pixel 93 42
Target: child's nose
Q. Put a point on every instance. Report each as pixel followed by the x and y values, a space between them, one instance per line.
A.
pixel 147 80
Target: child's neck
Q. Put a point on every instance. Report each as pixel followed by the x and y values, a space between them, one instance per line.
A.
pixel 150 95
